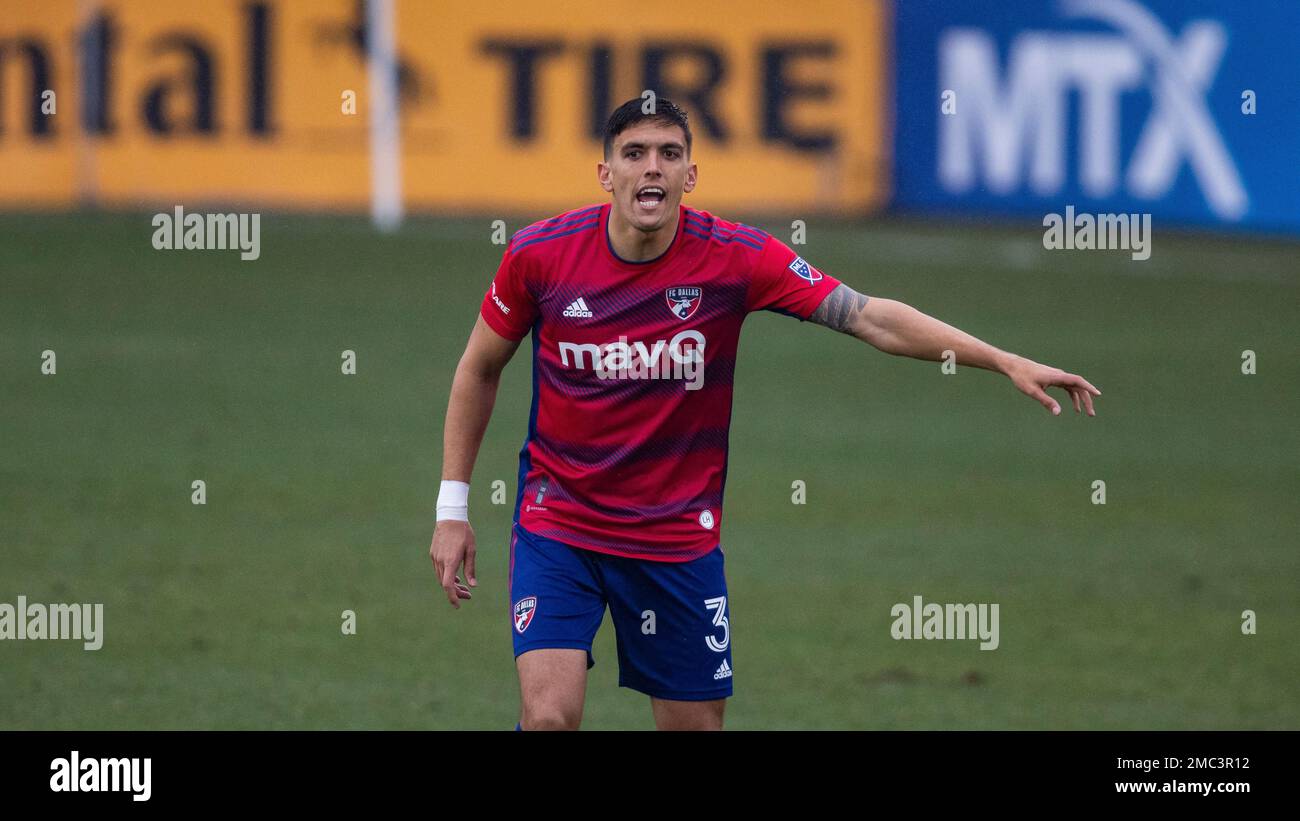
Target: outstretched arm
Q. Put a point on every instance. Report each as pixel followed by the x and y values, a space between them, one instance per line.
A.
pixel 900 329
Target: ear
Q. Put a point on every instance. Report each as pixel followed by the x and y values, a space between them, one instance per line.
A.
pixel 691 173
pixel 605 175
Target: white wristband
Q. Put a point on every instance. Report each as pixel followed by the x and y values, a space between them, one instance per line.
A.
pixel 453 501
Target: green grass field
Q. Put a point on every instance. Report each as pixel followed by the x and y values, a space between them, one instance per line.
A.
pixel 176 366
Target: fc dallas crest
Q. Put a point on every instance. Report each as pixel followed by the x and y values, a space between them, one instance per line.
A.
pixel 684 300
pixel 524 610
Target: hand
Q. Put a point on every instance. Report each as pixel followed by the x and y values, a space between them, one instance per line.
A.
pixel 453 542
pixel 1032 379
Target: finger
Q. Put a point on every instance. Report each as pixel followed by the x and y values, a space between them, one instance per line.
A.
pixel 1087 403
pixel 462 592
pixel 1074 394
pixel 469 567
pixel 1047 401
pixel 449 587
pixel 1079 381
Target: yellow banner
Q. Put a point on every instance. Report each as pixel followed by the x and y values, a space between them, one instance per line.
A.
pixel 265 102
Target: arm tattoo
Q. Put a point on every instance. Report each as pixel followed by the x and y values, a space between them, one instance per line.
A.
pixel 839 308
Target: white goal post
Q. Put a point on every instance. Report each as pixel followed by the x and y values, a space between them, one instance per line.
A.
pixel 385 116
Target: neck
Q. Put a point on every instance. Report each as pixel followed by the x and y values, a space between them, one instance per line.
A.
pixel 634 245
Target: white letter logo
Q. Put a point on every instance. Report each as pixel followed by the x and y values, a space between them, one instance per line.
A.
pixel 719 606
pixel 1011 129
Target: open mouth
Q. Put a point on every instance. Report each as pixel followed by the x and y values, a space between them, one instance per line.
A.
pixel 650 196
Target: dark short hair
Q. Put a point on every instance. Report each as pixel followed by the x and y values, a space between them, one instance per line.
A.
pixel 630 113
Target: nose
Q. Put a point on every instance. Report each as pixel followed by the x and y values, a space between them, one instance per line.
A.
pixel 652 165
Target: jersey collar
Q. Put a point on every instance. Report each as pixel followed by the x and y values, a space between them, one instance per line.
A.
pixel 628 265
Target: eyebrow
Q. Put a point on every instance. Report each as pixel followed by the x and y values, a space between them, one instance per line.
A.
pixel 669 144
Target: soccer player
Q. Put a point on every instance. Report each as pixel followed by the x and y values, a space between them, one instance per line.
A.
pixel 634 307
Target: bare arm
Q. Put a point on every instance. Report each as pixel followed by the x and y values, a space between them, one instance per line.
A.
pixel 897 328
pixel 473 394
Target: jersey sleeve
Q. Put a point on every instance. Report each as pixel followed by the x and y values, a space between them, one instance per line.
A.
pixel 508 306
pixel 785 283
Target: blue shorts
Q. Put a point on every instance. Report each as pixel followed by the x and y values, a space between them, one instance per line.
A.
pixel 671 621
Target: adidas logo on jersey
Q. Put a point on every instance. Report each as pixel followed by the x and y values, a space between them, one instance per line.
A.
pixel 724 671
pixel 578 308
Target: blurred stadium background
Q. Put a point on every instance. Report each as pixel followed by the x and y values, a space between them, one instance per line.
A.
pixel 378 238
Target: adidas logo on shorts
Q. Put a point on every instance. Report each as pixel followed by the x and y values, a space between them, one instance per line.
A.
pixel 724 671
pixel 578 308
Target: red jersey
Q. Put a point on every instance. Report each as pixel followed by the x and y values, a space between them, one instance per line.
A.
pixel 633 365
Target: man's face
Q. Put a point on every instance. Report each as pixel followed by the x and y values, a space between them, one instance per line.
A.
pixel 647 172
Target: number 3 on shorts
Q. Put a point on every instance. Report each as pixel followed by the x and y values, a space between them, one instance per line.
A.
pixel 719 608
